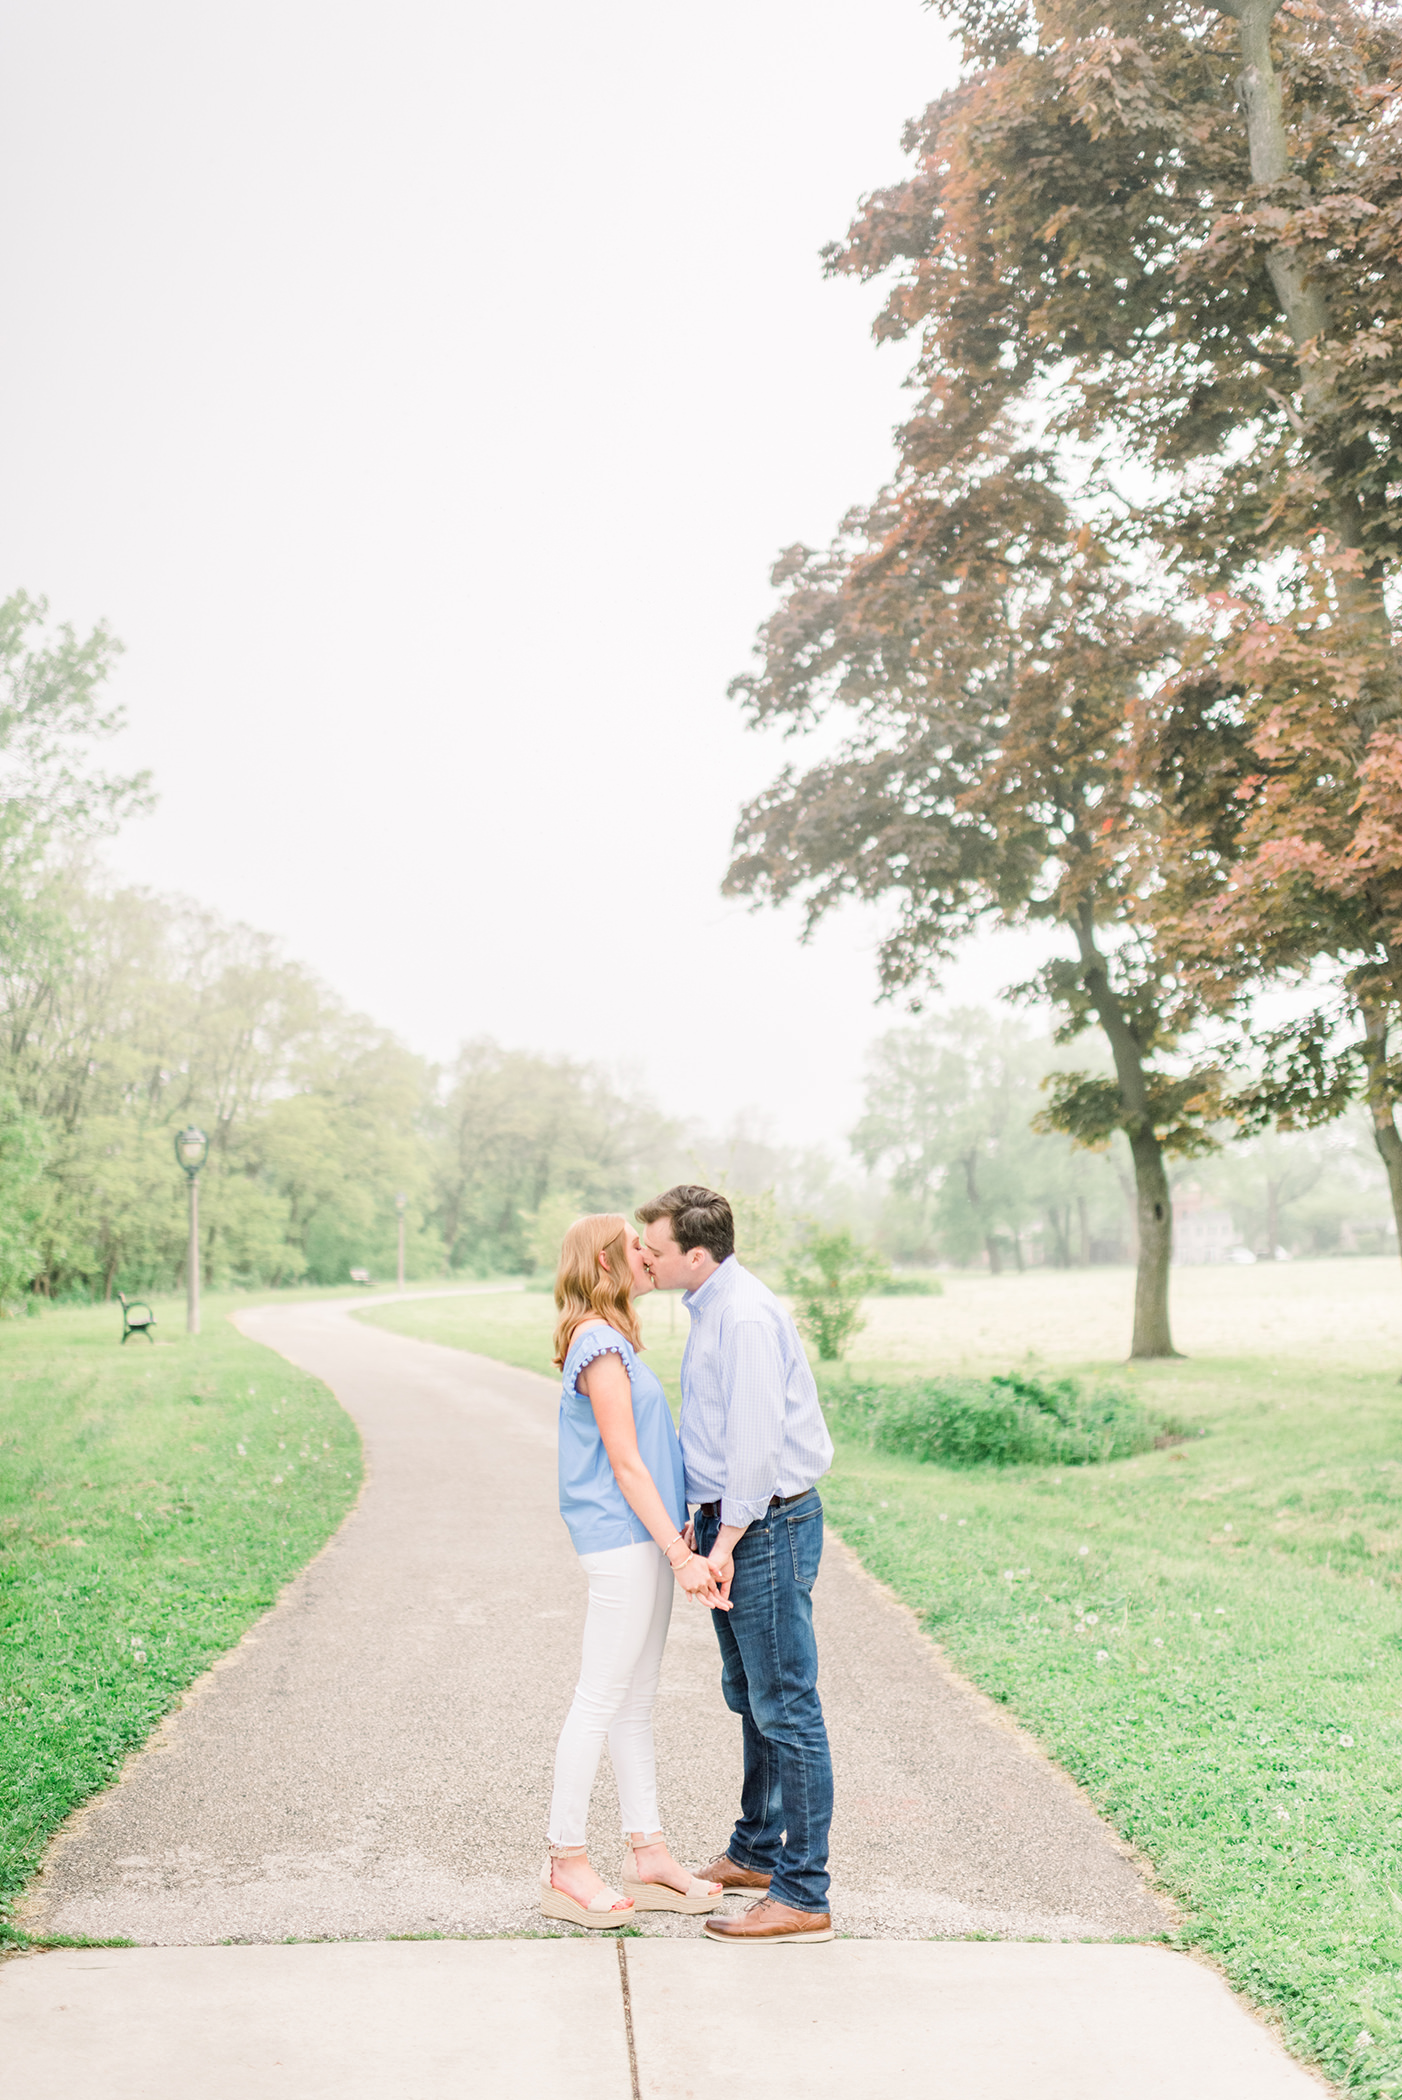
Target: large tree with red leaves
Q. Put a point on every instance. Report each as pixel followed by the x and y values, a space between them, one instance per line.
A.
pixel 1148 257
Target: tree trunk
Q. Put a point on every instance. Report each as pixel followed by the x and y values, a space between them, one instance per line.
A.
pixel 1084 1217
pixel 969 1162
pixel 1153 1207
pixel 1154 1214
pixel 1272 1216
pixel 1379 1099
pixel 1303 305
pixel 1060 1223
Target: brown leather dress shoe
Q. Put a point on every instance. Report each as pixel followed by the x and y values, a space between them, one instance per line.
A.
pixel 732 1876
pixel 768 1923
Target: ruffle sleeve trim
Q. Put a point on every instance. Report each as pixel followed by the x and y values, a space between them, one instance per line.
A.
pixel 599 1343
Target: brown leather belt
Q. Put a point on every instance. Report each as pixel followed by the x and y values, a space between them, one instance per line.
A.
pixel 712 1509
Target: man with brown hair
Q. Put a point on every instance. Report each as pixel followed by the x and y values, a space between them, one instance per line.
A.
pixel 753 1442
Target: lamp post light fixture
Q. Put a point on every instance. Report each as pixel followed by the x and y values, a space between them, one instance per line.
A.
pixel 399 1202
pixel 191 1151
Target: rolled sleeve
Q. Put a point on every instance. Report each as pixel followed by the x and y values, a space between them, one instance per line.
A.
pixel 754 1429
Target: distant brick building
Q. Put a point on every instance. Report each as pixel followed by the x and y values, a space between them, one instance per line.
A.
pixel 1202 1232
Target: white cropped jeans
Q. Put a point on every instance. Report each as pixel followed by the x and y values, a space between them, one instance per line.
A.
pixel 630 1604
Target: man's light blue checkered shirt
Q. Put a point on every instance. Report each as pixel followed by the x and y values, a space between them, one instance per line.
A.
pixel 751 1425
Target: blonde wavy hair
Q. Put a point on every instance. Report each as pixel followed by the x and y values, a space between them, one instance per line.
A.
pixel 585 1289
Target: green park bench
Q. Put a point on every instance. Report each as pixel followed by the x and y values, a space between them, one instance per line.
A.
pixel 137 1318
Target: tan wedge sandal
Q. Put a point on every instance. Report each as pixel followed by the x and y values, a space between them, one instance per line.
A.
pixel 698 1896
pixel 606 1909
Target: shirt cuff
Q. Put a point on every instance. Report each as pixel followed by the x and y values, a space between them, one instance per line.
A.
pixel 732 1512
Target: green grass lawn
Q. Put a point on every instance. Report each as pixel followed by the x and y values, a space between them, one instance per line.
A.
pixel 153 1501
pixel 517 1327
pixel 1208 1637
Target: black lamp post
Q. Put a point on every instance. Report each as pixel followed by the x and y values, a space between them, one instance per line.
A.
pixel 192 1150
pixel 399 1203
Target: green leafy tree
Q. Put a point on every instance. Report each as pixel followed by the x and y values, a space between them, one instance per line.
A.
pixel 763 1227
pixel 829 1276
pixel 516 1132
pixel 23 1150
pixel 948 1113
pixel 951 1108
pixel 54 801
pixel 545 1229
pixel 1307 1191
pixel 52 716
pixel 162 1014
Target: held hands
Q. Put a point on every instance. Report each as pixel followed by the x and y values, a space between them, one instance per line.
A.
pixel 695 1575
pixel 722 1566
pixel 698 1580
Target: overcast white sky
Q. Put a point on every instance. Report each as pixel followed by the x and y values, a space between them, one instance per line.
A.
pixel 422 392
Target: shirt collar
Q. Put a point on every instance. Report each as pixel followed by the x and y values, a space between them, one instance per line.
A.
pixel 707 1290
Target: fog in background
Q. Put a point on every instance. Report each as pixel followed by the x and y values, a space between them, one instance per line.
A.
pixel 423 393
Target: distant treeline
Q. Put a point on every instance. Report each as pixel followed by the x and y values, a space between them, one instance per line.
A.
pixel 139 1015
pixel 128 1016
pixel 952 1113
pixel 125 1016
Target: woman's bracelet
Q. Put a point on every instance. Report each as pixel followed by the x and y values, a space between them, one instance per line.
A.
pixel 676 1566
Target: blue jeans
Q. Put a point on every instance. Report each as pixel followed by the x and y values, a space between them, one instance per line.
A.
pixel 769 1676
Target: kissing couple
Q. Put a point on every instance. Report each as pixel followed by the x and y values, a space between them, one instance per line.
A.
pixel 753 1442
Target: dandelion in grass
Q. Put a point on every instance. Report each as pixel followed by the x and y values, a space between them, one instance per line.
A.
pixel 1083 1550
pixel 1092 1618
pixel 944 1519
pixel 1102 1655
pixel 1345 1742
pixel 1157 1642
pixel 1282 1815
pixel 1365 2040
pixel 1219 1611
pixel 240 1450
pixel 277 1480
pixel 963 1520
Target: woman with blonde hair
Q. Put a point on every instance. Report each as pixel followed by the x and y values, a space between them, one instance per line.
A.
pixel 622 1497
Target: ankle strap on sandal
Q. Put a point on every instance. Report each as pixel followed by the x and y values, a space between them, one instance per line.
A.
pixel 568 1851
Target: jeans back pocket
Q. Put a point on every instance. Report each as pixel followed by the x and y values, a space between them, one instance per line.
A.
pixel 806 1545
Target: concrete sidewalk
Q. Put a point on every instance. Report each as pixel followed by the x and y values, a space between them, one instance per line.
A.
pixel 435 2021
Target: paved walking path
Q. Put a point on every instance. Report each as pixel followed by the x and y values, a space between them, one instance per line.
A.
pixel 374 1758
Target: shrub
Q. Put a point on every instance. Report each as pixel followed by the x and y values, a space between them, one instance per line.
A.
pixel 897 1285
pixel 827 1282
pixel 1011 1420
